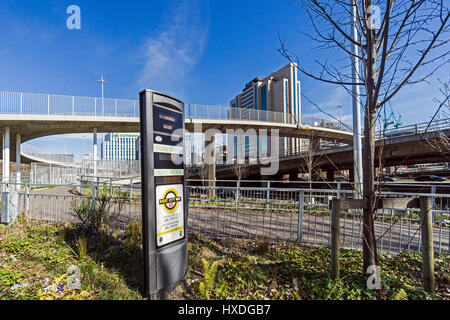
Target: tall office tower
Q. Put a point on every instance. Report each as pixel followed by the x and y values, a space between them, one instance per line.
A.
pixel 120 146
pixel 279 92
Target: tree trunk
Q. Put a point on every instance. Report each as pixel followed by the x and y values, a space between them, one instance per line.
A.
pixel 369 241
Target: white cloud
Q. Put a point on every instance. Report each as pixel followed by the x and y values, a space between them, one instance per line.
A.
pixel 175 51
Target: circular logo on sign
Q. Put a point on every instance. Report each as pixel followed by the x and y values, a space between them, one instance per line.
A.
pixel 170 200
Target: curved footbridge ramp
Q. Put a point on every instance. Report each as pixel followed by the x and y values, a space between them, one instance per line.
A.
pixel 38 115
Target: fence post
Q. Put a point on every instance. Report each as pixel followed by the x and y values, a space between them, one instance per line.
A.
pixel 237 194
pixel 94 196
pixel 338 194
pixel 268 196
pixel 301 201
pixel 335 226
pixel 426 226
pixel 131 188
pixel 81 185
pixel 433 199
pixel 27 200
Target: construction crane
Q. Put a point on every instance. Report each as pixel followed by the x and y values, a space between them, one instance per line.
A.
pixel 391 119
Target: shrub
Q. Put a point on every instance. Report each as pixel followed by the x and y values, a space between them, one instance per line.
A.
pixel 262 245
pixel 95 214
pixel 133 235
pixel 81 248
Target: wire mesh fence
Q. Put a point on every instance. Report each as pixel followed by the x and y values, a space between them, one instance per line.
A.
pixel 272 213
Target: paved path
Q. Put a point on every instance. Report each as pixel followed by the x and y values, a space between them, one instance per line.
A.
pixel 61 190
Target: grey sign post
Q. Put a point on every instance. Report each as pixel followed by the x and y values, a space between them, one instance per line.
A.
pixel 164 205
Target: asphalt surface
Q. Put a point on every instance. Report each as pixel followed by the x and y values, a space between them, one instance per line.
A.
pixel 251 224
pixel 315 229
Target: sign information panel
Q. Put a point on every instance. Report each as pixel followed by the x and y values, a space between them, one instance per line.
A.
pixel 169 214
pixel 164 203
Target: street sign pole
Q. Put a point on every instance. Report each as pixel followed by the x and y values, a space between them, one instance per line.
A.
pixel 164 205
pixel 357 131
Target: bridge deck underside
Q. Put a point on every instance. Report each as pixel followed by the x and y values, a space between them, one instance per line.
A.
pixel 35 126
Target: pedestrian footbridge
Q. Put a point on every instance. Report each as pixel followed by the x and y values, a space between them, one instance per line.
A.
pixel 26 116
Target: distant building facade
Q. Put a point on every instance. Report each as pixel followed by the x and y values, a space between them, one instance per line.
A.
pixel 278 92
pixel 120 146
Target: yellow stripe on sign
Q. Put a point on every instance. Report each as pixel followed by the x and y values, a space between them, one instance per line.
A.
pixel 170 231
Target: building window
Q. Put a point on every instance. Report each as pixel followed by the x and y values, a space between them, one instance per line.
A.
pixel 264 97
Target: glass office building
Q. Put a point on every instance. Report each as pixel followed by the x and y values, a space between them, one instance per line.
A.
pixel 120 146
pixel 278 92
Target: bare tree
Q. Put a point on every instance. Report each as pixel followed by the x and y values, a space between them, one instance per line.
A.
pixel 310 159
pixel 441 143
pixel 395 39
pixel 240 169
pixel 202 170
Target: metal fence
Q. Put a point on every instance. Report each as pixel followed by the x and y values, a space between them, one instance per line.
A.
pixel 196 111
pixel 50 104
pixel 413 129
pixel 288 214
pixel 33 103
pixel 58 208
pixel 71 173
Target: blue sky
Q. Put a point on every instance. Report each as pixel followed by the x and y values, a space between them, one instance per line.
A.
pixel 202 51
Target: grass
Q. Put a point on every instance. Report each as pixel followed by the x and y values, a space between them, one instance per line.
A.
pixel 35 257
pixel 42 188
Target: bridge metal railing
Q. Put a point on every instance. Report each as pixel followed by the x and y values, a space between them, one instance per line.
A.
pixel 414 129
pixel 196 111
pixel 50 104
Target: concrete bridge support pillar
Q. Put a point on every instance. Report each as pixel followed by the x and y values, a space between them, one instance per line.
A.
pixel 210 152
pixel 351 175
pixel 6 157
pixel 18 162
pixel 95 152
pixel 293 176
pixel 389 170
pixel 330 175
pixel 316 143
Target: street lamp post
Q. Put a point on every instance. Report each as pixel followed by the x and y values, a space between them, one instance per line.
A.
pixel 102 81
pixel 340 116
pixel 357 133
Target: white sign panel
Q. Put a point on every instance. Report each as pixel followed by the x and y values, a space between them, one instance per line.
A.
pixel 169 214
pixel 164 148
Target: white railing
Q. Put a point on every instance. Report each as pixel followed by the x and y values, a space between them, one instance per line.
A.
pixel 50 104
pixel 414 129
pixel 196 111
